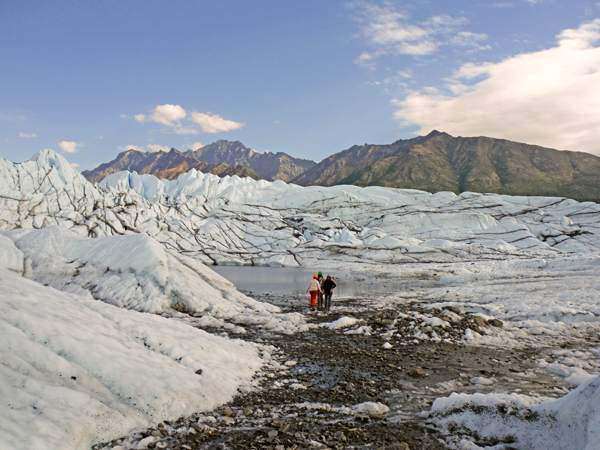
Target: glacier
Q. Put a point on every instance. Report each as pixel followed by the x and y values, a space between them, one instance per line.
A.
pixel 242 221
pixel 103 288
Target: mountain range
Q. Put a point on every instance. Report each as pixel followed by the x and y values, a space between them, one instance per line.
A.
pixel 219 158
pixel 436 162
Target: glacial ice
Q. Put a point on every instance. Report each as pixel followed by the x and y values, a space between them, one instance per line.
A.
pixel 532 423
pixel 76 371
pixel 139 244
pixel 236 220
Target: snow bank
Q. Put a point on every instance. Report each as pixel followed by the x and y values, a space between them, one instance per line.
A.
pixel 76 371
pixel 569 423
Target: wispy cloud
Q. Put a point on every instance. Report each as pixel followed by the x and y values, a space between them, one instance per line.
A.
pixel 69 146
pixel 178 121
pixel 74 165
pixel 549 97
pixel 196 146
pixel 25 135
pixel 390 32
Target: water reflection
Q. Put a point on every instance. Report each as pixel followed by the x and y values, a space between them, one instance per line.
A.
pixel 294 281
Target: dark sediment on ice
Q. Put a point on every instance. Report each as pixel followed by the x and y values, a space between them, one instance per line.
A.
pixel 307 404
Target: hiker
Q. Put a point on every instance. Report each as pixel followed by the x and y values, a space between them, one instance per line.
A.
pixel 314 288
pixel 328 286
pixel 320 279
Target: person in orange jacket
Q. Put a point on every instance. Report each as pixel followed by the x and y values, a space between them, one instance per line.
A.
pixel 314 288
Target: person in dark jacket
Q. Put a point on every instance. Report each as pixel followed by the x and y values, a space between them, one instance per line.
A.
pixel 328 286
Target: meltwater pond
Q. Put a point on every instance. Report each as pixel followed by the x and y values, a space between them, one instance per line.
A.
pixel 294 280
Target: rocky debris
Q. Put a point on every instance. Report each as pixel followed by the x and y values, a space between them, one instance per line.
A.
pixel 454 309
pixel 342 370
pixel 398 446
pixel 495 323
pixel 479 321
pixel 416 372
pixel 383 318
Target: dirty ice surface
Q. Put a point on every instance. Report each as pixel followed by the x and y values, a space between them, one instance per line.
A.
pixel 116 269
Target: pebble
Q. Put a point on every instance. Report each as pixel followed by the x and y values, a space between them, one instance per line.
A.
pixel 480 321
pixel 416 372
pixel 398 446
pixel 496 323
pixel 228 420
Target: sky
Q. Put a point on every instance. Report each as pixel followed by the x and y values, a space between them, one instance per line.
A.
pixel 90 79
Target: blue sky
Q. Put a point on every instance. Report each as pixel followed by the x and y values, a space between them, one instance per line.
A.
pixel 308 78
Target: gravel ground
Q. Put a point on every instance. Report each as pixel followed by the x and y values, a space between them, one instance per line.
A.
pixel 305 398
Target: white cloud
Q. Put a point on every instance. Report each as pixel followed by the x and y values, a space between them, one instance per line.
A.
pixel 74 165
pixel 158 148
pixel 389 31
pixel 131 147
pixel 169 115
pixel 172 115
pixel 213 123
pixel 69 146
pixel 196 146
pixel 125 116
pixel 549 97
pixel 25 135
